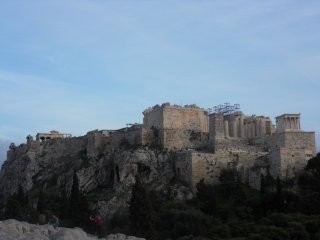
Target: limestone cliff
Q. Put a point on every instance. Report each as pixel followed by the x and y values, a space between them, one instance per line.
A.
pixel 105 172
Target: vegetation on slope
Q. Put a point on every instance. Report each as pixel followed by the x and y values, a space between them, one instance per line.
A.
pixel 231 210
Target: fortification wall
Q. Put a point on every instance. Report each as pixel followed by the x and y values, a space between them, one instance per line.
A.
pixel 177 127
pixel 148 136
pixel 304 140
pixel 183 167
pixel 153 117
pixel 132 136
pixel 287 162
pixel 185 118
pixel 95 143
pixel 208 166
pixel 183 139
pixel 176 117
pixel 290 139
pixel 26 161
pixel 192 166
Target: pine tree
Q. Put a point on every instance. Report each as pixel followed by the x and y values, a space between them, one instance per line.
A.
pixel 141 212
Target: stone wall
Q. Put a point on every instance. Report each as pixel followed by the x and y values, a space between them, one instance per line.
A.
pixel 190 118
pixel 27 162
pixel 183 167
pixel 208 166
pixel 193 166
pixel 132 136
pixel 216 131
pixel 178 127
pixel 176 117
pixel 287 162
pixel 153 117
pixel 176 139
pixel 290 139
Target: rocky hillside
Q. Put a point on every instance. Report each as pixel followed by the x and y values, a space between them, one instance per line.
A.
pixel 106 174
pixel 3 150
pixel 12 230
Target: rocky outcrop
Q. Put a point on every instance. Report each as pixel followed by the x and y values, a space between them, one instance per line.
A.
pixel 13 230
pixel 105 172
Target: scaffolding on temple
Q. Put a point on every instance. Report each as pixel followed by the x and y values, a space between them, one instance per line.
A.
pixel 225 108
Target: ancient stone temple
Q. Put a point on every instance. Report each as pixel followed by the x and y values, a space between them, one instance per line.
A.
pixel 203 142
pixel 53 134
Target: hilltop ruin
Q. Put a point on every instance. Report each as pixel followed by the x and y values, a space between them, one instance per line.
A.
pixel 206 141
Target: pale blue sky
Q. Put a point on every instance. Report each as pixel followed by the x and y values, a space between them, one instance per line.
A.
pixel 80 65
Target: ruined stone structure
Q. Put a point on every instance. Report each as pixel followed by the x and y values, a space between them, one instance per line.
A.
pixel 202 142
pixel 206 143
pixel 53 134
pixel 178 127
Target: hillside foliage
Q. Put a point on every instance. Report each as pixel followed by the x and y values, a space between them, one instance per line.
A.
pixel 280 210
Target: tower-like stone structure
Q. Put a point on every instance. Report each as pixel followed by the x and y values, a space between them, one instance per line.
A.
pixel 178 127
pixel 288 122
pixel 216 131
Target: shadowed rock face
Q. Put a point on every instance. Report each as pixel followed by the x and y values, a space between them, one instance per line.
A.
pixel 12 230
pixel 4 146
pixel 101 170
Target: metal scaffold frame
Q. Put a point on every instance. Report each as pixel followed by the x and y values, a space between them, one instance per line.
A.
pixel 225 108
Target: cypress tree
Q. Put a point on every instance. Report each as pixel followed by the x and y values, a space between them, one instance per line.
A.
pixel 205 193
pixel 262 186
pixel 279 195
pixel 13 209
pixel 75 210
pixel 84 210
pixel 41 206
pixel 21 197
pixel 141 212
pixel 64 204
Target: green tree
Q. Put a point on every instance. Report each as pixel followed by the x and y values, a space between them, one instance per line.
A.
pixel 279 196
pixel 75 210
pixel 228 176
pixel 21 198
pixel 142 217
pixel 313 166
pixel 207 198
pixel 64 204
pixel 13 209
pixel 262 186
pixel 41 206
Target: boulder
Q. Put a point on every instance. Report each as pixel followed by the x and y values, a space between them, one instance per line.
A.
pixel 13 230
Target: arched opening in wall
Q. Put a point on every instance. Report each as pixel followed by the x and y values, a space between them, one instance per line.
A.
pixel 48 138
pixel 117 174
pixel 42 138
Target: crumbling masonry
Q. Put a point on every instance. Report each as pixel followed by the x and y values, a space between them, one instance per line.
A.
pixel 204 142
pixel 207 142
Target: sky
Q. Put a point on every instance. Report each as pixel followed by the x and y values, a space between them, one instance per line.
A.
pixel 80 65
